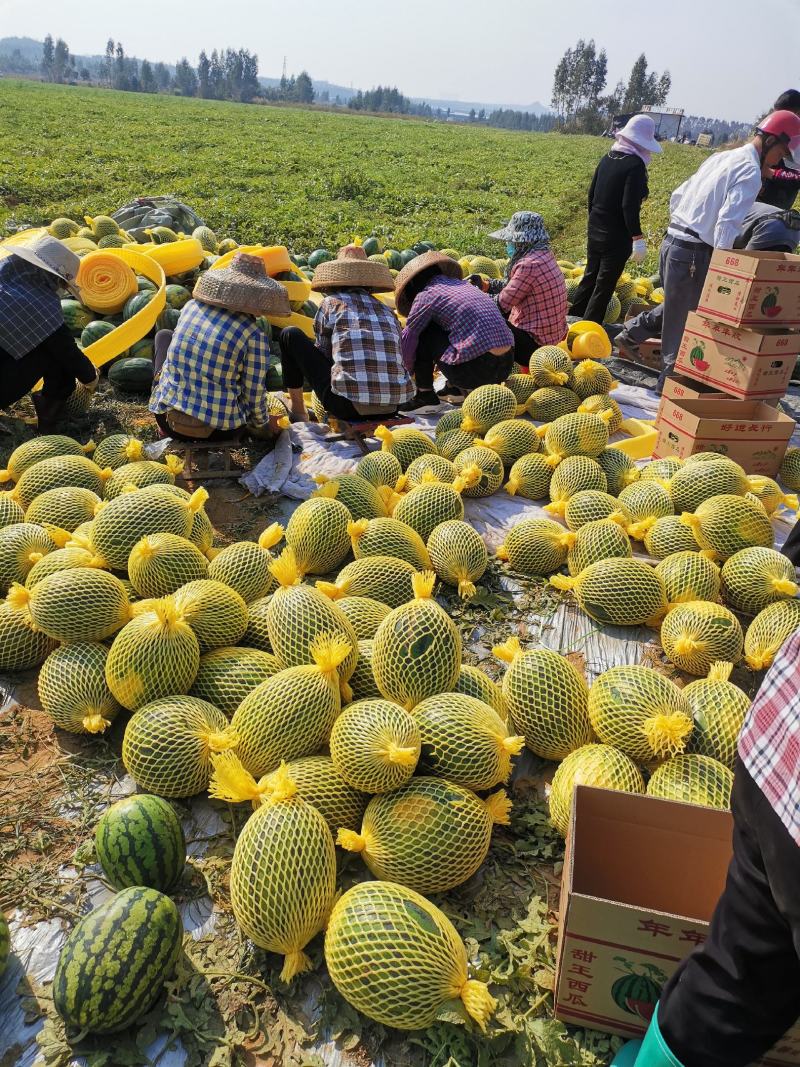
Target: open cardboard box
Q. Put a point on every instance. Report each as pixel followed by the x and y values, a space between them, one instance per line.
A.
pixel 642 877
pixel 752 289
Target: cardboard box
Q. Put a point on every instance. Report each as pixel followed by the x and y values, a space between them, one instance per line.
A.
pixel 752 433
pixel 680 389
pixel 750 364
pixel 647 354
pixel 752 289
pixel 641 879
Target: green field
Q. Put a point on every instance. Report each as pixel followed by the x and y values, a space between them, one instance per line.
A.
pixel 302 178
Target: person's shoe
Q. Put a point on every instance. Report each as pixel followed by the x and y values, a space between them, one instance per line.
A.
pixel 451 394
pixel 49 413
pixel 425 398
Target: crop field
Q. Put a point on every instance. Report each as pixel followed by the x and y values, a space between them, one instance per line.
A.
pixel 302 178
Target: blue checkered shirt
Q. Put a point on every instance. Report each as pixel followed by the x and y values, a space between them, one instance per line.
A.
pixel 216 369
pixel 30 310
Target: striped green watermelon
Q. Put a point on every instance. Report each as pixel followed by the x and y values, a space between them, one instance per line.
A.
pixel 144 284
pixel 144 349
pixel 94 331
pixel 168 319
pixel 206 237
pixel 5 943
pixel 136 303
pixel 76 316
pixel 139 841
pixel 407 255
pixel 132 375
pixel 114 963
pixel 319 255
pixel 393 258
pixel 371 246
pixel 177 296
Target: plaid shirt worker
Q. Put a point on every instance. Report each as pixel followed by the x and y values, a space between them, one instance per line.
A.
pixel 534 297
pixel 30 310
pixel 470 318
pixel 769 745
pixel 361 336
pixel 216 369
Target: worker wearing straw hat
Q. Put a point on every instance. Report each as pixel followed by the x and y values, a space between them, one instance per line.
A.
pixel 212 381
pixel 34 340
pixel 356 366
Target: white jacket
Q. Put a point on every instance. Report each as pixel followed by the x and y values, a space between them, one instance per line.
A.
pixel 715 200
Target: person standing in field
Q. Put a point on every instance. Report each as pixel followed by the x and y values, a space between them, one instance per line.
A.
pixel 618 189
pixel 781 187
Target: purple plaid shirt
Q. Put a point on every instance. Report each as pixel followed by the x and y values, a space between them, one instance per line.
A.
pixel 470 318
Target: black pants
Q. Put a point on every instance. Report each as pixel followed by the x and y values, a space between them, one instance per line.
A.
pixel 57 361
pixel 302 361
pixel 483 370
pixel 604 264
pixel 791 548
pixel 525 344
pixel 730 1001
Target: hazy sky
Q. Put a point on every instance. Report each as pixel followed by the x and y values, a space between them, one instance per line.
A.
pixel 728 60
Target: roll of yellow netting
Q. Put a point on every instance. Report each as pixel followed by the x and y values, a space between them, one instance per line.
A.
pixel 121 264
pixel 176 257
pixel 106 282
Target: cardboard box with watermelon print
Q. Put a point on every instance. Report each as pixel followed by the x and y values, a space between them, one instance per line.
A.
pixel 752 289
pixel 642 877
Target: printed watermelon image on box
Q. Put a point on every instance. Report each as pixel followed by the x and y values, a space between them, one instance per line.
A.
pixel 752 289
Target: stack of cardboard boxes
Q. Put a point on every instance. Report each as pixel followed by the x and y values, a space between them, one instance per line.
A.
pixel 736 358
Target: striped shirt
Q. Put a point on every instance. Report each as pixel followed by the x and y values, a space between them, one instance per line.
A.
pixel 30 310
pixel 361 336
pixel 535 297
pixel 469 317
pixel 216 369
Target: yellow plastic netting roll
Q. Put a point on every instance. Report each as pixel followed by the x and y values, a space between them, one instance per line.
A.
pixel 155 655
pixel 73 689
pixel 689 576
pixel 592 505
pixel 244 565
pixel 730 523
pixel 22 545
pixel 375 745
pixel 21 645
pixel 45 447
pixel 536 547
pixel 382 578
pixel 365 614
pixel 755 577
pixel 595 541
pixel 530 476
pixel 474 682
pixel 696 634
pixel 640 712
pixel 458 555
pixel 768 631
pixel 618 592
pixel 359 495
pixel 693 779
pixel 161 563
pixel 718 709
pixel 601 766
pixel 668 535
pixel 317 534
pixel 83 604
pixel 486 406
pixel 216 613
pixel 227 675
pixel 389 537
pixel 106 282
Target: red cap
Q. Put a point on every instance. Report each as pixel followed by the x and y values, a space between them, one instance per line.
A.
pixel 783 124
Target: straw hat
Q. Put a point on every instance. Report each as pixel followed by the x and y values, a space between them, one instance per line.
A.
pixel 243 286
pixel 49 254
pixel 352 269
pixel 414 267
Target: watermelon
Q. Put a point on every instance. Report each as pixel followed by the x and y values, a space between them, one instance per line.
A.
pixel 132 375
pixel 113 965
pixel 94 331
pixel 310 309
pixel 76 316
pixel 636 994
pixel 206 237
pixel 274 381
pixel 143 349
pixel 136 303
pixel 319 255
pixel 168 319
pixel 5 943
pixel 227 244
pixel 393 258
pixel 371 245
pixel 424 246
pixel 177 296
pixel 139 841
pixel 407 255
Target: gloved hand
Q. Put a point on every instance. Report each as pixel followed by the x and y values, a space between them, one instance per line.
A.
pixel 639 250
pixel 480 283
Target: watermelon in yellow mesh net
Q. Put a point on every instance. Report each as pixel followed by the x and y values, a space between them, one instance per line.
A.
pixel 63 559
pixel 359 496
pixel 41 448
pixel 429 504
pixel 668 535
pixel 365 614
pixel 83 604
pixel 380 468
pixel 577 434
pixel 454 441
pixel 601 403
pixel 488 465
pixel 382 578
pixel 696 634
pixel 704 457
pixel 640 712
pixel 718 709
pixel 727 524
pixel 430 835
pixel 487 405
pixel 11 511
pixel 317 534
pixel 441 468
pixel 227 675
pixel 601 766
pixel 161 563
pixel 141 474
pixel 511 439
pixel 22 545
pixel 546 698
pixel 405 443
pixel 689 576
pixel 572 475
pixel 789 472
pixel 416 961
pixel 202 532
pixel 521 385
pixel 388 537
pixel 21 645
pixel 646 501
pixel 767 632
pixel 217 614
pixel 451 420
pixel 693 779
pixel 771 495
pixel 618 469
pixel 155 655
pixel 530 476
pixel 551 402
pixel 598 540
pixel 590 378
pixel 618 592
pixel 465 741
pixel 257 633
pixel 65 508
pixel 244 565
pixel 73 689
pixel 695 482
pixel 121 522
pixel 362 680
pixel 550 365
pixel 661 470
pixel 458 555
pixel 417 649
pixel 755 577
pixel 375 745
pixel 55 473
pixel 474 682
pixel 592 505
pixel 292 712
pixel 118 449
pixel 168 745
pixel 536 547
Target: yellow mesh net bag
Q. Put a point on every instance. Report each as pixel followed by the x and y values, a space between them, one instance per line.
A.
pixel 73 689
pixel 365 614
pixel 21 645
pixel 689 576
pixel 577 434
pixel 405 443
pixel 216 613
pixel 63 559
pixel 661 470
pixel 430 835
pixel 718 709
pixel 536 547
pixel 693 483
pixel 693 779
pixel 590 378
pixel 618 469
pixel 601 766
pixel 573 475
pixel 201 532
pixel 11 512
pixel 458 555
pixel 244 565
pixel 317 534
pixel 511 439
pixel 696 634
pixel 669 535
pixel 489 468
pixel 767 632
pixel 375 745
pixel 486 406
pixel 592 505
pixel 82 604
pixel 155 655
pixel 121 522
pixel 60 471
pixel 451 420
pixel 169 742
pixel 789 472
pixel 454 441
pixel 465 741
pixel 770 494
pixel 431 503
pixel 618 592
pixel 65 508
pixel 521 385
pixel 161 563
pixel 380 468
pixel 291 713
pixel 359 496
pixel 382 578
pixel 40 448
pixel 22 545
pixel 118 449
pixel 755 577
pixel 728 523
pixel 550 402
pixel 417 649
pixel 389 537
pixel 442 470
pixel 474 682
pixel 640 712
pixel 598 405
pixel 595 541
pixel 362 681
pixel 142 473
pixel 546 698
pixel 530 476
pixel 646 501
pixel 256 635
pixel 227 675
pixel 550 365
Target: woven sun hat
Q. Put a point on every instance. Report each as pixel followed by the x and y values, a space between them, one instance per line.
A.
pixel 445 265
pixel 352 270
pixel 243 286
pixel 524 228
pixel 49 254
